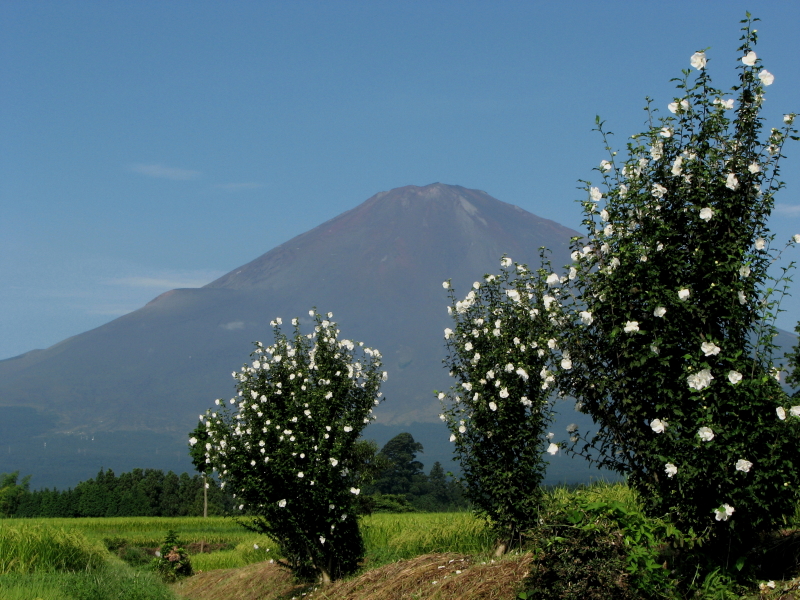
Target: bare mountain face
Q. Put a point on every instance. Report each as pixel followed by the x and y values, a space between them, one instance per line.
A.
pixel 125 394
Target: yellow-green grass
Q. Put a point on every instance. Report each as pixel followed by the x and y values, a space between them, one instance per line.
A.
pixel 34 547
pixel 388 537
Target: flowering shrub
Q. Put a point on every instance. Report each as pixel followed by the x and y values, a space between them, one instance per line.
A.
pixel 287 444
pixel 672 321
pixel 503 355
pixel 172 561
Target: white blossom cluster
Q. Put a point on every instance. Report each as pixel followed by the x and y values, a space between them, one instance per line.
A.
pixel 628 241
pixel 284 441
pixel 508 357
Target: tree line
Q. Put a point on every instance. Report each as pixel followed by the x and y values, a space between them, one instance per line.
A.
pixel 399 485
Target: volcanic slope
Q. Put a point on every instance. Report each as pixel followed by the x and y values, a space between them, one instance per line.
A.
pixel 125 394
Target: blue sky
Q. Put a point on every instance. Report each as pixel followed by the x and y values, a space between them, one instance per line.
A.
pixel 153 145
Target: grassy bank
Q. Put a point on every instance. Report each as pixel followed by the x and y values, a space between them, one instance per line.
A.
pixel 420 555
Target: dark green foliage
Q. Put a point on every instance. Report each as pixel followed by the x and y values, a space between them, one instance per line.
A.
pixel 503 356
pixel 672 326
pixel 172 561
pixel 288 445
pixel 12 492
pixel 598 551
pixel 140 493
pixel 404 473
pixel 402 486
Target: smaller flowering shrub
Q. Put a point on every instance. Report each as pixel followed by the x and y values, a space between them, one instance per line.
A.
pixel 504 358
pixel 287 444
pixel 672 321
pixel 172 561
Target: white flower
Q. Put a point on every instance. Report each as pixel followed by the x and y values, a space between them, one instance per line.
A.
pixel 658 190
pixel 506 262
pixel 788 119
pixel 744 271
pixel 754 167
pixel 724 513
pixel 655 349
pixel 706 214
pixel 734 377
pixel 656 151
pixel 710 348
pixel 441 396
pixel 760 243
pixel 795 411
pixel 705 434
pixel 608 229
pixel 566 364
pixel 677 167
pixel 796 238
pixel 766 77
pixel 595 194
pixel 658 425
pixel 572 428
pixel 503 393
pixel 448 333
pixel 552 448
pixel 631 326
pixel 476 285
pixel 321 539
pixel 700 380
pixel 731 182
pixel 660 311
pixel 462 429
pixel 492 406
pixel 781 413
pixel 683 294
pixel 698 60
pixel 347 429
pixel 742 297
pixel 573 273
pixel 354 490
pixel 673 106
pixel 750 58
pixel 670 469
pixel 514 295
pixel 446 285
pixel 665 132
pixel 522 373
pixel 586 317
pixel 552 279
pixel 605 166
pixel 743 465
pixel 468 346
pixel 282 503
pixel 452 437
pixel 334 462
pixel 192 440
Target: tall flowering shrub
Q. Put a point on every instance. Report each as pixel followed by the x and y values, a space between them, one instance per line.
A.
pixel 286 444
pixel 671 326
pixel 503 355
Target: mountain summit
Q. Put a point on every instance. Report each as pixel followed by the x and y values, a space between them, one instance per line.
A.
pixel 135 386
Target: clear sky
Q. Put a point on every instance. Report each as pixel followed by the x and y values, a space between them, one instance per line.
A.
pixel 150 145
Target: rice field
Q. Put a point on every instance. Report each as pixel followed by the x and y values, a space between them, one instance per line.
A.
pixel 69 559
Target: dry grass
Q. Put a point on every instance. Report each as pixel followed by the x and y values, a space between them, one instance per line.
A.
pixel 435 576
pixel 429 577
pixel 259 581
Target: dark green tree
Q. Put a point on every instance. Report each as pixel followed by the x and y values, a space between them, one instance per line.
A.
pixel 404 473
pixel 11 492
